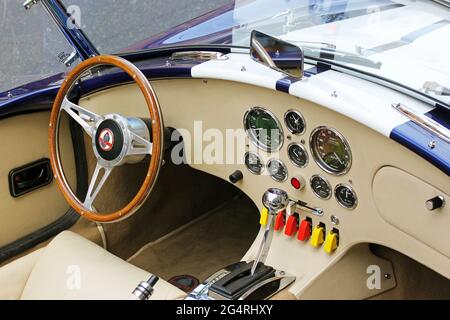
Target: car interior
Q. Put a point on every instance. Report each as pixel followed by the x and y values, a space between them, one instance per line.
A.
pixel 251 176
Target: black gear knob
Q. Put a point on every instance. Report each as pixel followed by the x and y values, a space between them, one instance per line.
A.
pixel 275 200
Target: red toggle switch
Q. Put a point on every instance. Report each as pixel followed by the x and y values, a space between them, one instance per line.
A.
pixel 279 221
pixel 304 232
pixel 291 226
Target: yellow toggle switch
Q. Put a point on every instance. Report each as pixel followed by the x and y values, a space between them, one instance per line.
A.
pixel 264 217
pixel 318 236
pixel 331 242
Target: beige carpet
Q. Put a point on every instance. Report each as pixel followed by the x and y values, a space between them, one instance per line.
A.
pixel 215 240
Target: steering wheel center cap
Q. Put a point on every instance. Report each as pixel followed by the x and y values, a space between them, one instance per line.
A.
pixel 109 141
pixel 106 140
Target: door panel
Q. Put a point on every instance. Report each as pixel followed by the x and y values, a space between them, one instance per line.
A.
pixel 24 140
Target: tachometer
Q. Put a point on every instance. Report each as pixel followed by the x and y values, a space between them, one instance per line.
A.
pixel 330 150
pixel 263 129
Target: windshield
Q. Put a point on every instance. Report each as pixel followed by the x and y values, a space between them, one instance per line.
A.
pixel 404 41
pixel 31 46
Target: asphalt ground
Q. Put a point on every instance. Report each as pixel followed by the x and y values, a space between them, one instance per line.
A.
pixel 30 43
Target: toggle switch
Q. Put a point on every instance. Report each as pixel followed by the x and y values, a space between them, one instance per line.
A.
pixel 264 217
pixel 304 232
pixel 291 226
pixel 318 236
pixel 279 221
pixel 331 242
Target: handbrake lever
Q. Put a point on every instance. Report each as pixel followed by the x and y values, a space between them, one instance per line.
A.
pixel 275 200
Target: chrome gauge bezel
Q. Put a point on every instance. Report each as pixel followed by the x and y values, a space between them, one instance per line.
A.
pixel 252 136
pixel 318 160
pixel 303 148
pixel 328 185
pixel 353 192
pixel 260 159
pixel 287 125
pixel 282 164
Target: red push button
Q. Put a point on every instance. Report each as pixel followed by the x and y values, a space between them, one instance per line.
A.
pixel 304 232
pixel 279 221
pixel 298 183
pixel 291 226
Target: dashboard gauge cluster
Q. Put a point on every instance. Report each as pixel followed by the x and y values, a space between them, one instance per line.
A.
pixel 254 163
pixel 321 187
pixel 263 129
pixel 295 122
pixel 277 170
pixel 346 196
pixel 329 149
pixel 298 155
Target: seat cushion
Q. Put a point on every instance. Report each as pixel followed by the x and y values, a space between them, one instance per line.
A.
pixel 14 276
pixel 71 267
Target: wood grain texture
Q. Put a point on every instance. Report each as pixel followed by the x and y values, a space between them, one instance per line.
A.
pixel 157 138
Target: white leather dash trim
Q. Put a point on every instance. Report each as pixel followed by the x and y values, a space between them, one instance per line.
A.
pixel 362 101
pixel 238 67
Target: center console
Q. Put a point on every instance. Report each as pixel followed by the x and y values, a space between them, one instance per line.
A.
pixel 250 280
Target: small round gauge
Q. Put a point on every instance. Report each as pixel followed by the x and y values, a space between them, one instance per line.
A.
pixel 263 129
pixel 298 155
pixel 254 163
pixel 321 187
pixel 346 196
pixel 295 122
pixel 277 170
pixel 330 150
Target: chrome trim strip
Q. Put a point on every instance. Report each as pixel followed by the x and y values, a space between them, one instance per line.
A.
pixel 198 55
pixel 423 121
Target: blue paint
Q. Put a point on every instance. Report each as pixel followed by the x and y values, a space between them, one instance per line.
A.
pixel 415 138
pixel 284 83
pixel 441 116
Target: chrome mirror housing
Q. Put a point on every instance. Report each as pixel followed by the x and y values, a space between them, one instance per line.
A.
pixel 277 54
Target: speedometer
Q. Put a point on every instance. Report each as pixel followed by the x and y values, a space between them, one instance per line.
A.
pixel 330 150
pixel 263 129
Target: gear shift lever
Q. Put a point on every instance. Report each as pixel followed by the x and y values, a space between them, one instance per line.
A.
pixel 275 200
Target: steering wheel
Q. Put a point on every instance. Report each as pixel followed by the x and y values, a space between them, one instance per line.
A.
pixel 116 140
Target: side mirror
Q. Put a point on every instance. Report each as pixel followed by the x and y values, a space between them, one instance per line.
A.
pixel 277 54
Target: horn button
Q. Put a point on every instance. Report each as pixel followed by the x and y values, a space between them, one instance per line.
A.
pixel 109 140
pixel 112 140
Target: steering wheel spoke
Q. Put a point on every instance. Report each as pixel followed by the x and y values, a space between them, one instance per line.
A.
pixel 140 145
pixel 85 118
pixel 94 186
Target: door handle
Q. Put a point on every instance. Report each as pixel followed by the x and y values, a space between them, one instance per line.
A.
pixel 30 177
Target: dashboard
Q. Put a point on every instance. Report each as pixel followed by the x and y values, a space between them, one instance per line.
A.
pixel 320 157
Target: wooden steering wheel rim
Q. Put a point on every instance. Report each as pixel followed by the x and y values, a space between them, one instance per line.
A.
pixel 157 134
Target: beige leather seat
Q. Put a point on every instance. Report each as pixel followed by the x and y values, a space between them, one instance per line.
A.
pixel 71 267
